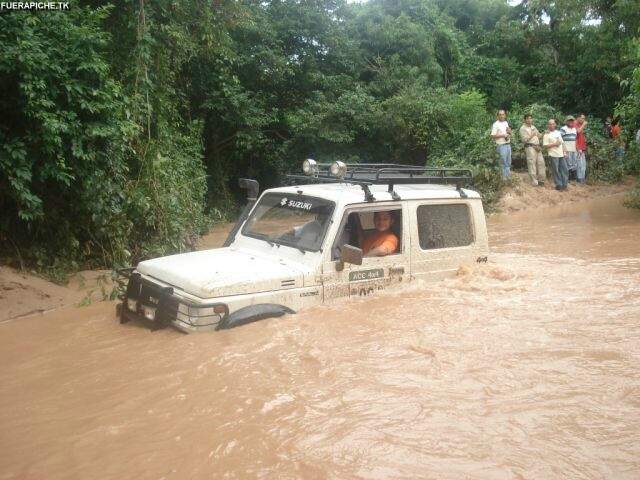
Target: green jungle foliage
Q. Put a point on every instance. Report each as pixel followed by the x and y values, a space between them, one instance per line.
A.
pixel 126 125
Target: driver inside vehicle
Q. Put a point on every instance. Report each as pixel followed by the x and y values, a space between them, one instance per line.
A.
pixel 382 241
pixel 309 233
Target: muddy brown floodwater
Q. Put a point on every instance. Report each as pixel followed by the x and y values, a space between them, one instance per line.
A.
pixel 525 368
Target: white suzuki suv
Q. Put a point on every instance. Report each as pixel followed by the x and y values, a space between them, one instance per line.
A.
pixel 306 244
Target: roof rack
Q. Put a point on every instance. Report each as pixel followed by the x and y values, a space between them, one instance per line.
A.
pixel 391 174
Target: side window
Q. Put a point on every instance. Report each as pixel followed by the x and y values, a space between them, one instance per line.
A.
pixel 444 226
pixel 362 230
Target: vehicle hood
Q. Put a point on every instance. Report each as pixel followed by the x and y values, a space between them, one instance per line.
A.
pixel 224 271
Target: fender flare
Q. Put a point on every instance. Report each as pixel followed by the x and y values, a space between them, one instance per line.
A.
pixel 253 313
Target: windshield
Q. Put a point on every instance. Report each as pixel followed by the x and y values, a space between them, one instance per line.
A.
pixel 294 220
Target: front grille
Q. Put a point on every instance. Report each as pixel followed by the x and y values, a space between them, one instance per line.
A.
pixel 152 295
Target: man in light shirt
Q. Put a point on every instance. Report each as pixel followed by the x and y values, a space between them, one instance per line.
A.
pixel 552 142
pixel 501 134
pixel 530 137
pixel 569 135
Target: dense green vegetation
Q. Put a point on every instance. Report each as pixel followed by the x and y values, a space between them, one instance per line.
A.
pixel 125 126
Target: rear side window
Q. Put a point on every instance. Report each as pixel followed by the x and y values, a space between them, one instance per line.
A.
pixel 444 226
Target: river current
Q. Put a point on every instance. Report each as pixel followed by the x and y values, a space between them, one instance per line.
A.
pixel 527 367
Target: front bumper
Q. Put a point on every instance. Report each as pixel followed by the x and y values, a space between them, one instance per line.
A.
pixel 157 306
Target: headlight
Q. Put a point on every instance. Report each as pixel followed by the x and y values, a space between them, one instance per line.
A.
pixel 201 316
pixel 149 312
pixel 132 304
pixel 338 169
pixel 310 167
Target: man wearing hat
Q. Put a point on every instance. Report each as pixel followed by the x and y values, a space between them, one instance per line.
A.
pixel 569 135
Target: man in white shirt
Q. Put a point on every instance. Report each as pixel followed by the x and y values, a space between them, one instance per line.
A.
pixel 501 134
pixel 535 161
pixel 569 135
pixel 554 145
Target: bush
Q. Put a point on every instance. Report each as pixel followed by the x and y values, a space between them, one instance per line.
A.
pixel 489 183
pixel 81 183
pixel 632 159
pixel 63 160
pixel 464 142
pixel 632 200
pixel 632 163
pixel 164 204
pixel 602 163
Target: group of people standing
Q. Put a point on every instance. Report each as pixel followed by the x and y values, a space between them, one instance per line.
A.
pixel 566 148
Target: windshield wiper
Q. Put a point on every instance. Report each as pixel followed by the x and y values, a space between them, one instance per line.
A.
pixel 266 238
pixel 262 236
pixel 293 245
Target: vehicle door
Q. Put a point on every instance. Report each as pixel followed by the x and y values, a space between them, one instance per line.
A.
pixel 442 236
pixel 375 273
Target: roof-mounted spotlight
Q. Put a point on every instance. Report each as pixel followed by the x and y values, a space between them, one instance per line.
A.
pixel 338 169
pixel 310 167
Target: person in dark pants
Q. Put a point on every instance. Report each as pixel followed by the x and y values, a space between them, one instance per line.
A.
pixel 569 135
pixel 552 142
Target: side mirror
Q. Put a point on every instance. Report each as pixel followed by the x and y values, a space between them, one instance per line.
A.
pixel 351 254
pixel 251 186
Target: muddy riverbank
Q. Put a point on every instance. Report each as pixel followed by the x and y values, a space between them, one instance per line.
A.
pixel 524 196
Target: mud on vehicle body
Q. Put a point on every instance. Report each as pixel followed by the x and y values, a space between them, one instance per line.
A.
pixel 299 245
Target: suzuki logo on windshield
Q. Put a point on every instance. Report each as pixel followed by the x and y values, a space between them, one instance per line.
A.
pixel 285 202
